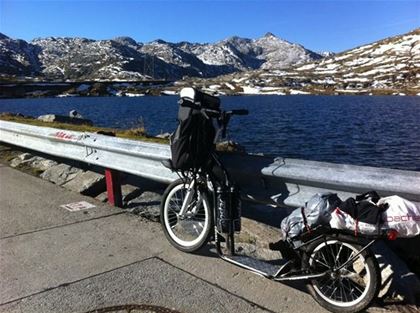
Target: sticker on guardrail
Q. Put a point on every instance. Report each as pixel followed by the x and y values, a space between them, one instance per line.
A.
pixel 77 206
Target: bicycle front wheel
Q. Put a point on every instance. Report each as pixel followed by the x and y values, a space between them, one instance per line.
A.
pixel 187 231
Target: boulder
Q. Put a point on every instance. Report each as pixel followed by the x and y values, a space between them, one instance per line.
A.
pixel 40 163
pixel 15 162
pixel 50 118
pixel 164 136
pixel 36 162
pixel 75 114
pixel 25 156
pixel 230 146
pixel 60 174
pixel 87 183
pixel 20 159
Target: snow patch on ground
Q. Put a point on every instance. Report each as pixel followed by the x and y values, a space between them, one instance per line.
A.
pixel 306 67
pixel 169 92
pixel 349 90
pixel 230 86
pixel 298 92
pixel 65 95
pixel 129 94
pixel 251 90
pixel 357 79
pixel 239 80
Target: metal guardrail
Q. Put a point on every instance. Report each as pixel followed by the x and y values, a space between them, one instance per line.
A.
pixel 292 182
pixel 282 181
pixel 130 156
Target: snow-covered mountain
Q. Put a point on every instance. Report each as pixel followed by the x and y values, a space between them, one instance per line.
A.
pixel 388 66
pixel 234 53
pixel 123 58
pixel 280 54
pixel 79 58
pixel 267 65
pixel 389 63
pixel 17 57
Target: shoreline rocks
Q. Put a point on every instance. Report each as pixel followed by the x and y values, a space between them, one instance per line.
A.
pixel 50 118
pixel 36 162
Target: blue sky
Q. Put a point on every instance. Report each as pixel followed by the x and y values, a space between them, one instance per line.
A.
pixel 323 25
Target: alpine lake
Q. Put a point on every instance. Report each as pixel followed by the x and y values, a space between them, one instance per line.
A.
pixel 380 131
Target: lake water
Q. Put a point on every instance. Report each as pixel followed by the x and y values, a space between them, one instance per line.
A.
pixel 361 130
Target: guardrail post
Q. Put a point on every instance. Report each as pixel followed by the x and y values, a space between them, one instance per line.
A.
pixel 113 187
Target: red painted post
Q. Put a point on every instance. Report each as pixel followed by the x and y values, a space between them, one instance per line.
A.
pixel 113 187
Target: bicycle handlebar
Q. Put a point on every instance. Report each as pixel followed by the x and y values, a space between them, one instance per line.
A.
pixel 197 106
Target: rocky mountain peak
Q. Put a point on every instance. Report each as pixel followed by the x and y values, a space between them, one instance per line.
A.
pixel 122 57
pixel 160 41
pixel 125 41
pixel 269 35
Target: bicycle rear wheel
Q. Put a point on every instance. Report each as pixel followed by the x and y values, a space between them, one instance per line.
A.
pixel 346 290
pixel 190 231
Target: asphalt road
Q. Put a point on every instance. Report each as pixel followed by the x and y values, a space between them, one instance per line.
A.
pixel 54 260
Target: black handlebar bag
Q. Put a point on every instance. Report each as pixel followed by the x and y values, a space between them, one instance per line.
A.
pixel 193 141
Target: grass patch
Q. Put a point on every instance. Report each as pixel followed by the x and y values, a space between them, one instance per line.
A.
pixel 137 133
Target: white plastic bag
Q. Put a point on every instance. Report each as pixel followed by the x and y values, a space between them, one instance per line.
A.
pixel 342 220
pixel 401 215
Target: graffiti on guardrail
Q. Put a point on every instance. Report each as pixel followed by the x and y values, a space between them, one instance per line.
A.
pixel 66 136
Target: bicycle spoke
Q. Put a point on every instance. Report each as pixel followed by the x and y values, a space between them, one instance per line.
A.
pixel 355 285
pixel 320 262
pixel 325 258
pixel 334 290
pixel 349 289
pixel 344 292
pixel 341 291
pixel 338 255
